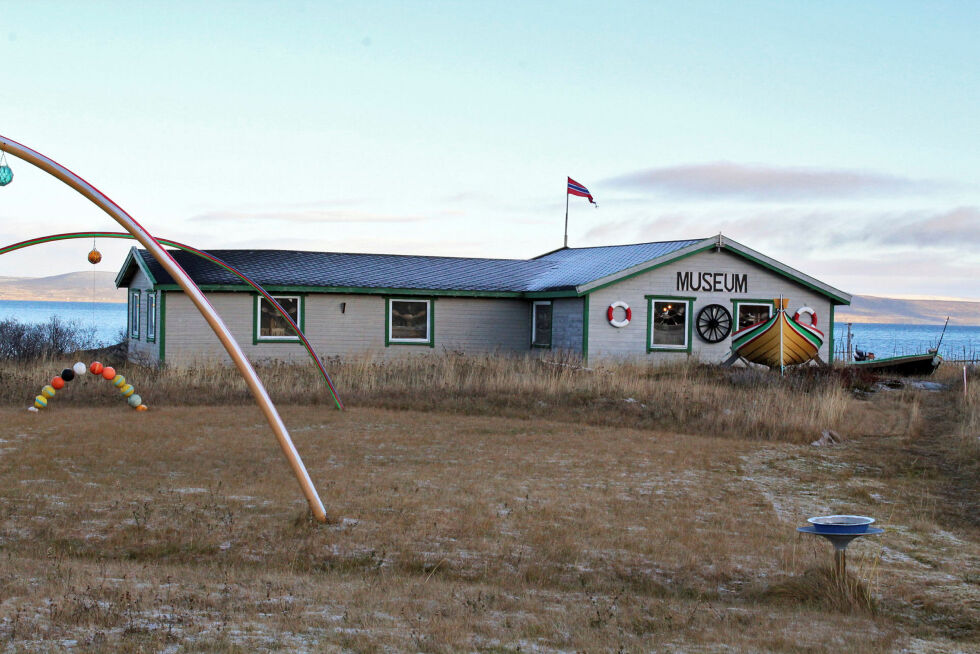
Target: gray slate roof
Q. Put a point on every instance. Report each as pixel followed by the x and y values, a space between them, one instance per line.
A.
pixel 559 270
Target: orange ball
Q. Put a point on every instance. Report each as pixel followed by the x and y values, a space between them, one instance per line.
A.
pixel 57 383
pixel 95 368
pixel 142 407
pixel 94 256
pixel 108 372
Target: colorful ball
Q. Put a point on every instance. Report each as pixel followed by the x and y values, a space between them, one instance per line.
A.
pixel 94 256
pixel 79 368
pixel 95 368
pixel 108 372
pixel 135 401
pixel 127 390
pixel 57 383
pixel 68 374
pixel 118 381
pixel 48 392
pixel 40 402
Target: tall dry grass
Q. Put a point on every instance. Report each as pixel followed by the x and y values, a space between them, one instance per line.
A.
pixel 685 397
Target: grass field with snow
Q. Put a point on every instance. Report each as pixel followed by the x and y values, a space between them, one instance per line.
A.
pixel 182 528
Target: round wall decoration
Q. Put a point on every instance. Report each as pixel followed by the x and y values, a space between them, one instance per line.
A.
pixel 813 315
pixel 611 314
pixel 714 323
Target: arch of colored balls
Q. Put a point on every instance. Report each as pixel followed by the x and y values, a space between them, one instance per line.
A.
pixel 109 373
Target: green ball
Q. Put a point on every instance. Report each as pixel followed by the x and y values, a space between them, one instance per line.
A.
pixel 135 401
pixel 40 402
pixel 48 391
pixel 126 390
pixel 118 381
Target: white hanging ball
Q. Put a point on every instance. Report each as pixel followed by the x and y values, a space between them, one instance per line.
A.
pixel 80 368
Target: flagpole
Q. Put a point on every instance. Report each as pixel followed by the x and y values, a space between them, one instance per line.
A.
pixel 566 215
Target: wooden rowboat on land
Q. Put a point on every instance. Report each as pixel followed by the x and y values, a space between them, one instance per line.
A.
pixel 910 364
pixel 779 341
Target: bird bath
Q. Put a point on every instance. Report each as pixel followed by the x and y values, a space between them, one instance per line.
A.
pixel 840 530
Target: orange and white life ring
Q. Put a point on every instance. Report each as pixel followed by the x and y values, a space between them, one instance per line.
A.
pixel 611 314
pixel 813 315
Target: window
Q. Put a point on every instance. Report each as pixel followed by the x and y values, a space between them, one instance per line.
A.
pixel 270 326
pixel 134 314
pixel 541 324
pixel 151 317
pixel 669 323
pixel 751 312
pixel 410 322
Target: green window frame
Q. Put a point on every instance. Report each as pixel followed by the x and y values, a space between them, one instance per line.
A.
pixel 742 301
pixel 151 317
pixel 430 323
pixel 133 315
pixel 688 330
pixel 534 323
pixel 285 337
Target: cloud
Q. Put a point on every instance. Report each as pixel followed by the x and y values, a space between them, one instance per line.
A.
pixel 760 182
pixel 308 217
pixel 959 227
pixel 952 230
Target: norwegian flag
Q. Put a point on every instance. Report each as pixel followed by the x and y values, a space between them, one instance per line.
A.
pixel 574 188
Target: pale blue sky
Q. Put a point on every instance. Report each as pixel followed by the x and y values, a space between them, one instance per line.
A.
pixel 840 139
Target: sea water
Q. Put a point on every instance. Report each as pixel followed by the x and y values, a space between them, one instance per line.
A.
pixel 888 340
pixel 107 318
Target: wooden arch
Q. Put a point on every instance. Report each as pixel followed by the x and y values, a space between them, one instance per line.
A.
pixel 261 395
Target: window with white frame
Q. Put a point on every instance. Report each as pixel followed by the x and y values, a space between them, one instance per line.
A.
pixel 409 321
pixel 270 325
pixel 669 326
pixel 134 314
pixel 541 313
pixel 151 316
pixel 751 313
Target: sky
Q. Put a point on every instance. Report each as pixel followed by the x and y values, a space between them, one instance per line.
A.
pixel 840 138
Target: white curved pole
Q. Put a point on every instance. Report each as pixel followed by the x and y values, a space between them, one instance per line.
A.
pixel 169 264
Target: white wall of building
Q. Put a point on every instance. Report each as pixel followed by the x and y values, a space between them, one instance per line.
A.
pixel 606 341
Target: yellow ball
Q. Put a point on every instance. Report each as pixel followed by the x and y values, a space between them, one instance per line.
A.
pixel 40 402
pixel 127 390
pixel 118 381
pixel 48 391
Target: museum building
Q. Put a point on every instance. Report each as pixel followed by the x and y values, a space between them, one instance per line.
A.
pixel 645 301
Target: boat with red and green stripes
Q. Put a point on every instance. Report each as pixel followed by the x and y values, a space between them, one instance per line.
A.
pixel 780 341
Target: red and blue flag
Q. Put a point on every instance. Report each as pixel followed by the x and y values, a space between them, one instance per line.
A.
pixel 574 188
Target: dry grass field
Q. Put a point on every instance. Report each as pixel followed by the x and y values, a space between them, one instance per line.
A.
pixel 625 509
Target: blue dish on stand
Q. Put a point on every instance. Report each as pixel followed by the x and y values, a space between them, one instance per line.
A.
pixel 841 524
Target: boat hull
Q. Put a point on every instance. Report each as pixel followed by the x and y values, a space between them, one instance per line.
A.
pixel 772 345
pixel 910 365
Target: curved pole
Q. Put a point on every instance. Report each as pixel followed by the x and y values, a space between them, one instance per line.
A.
pixel 204 255
pixel 170 264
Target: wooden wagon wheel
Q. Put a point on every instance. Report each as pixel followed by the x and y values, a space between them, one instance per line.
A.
pixel 714 323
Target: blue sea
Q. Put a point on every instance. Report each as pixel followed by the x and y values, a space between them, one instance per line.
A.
pixel 958 343
pixel 109 320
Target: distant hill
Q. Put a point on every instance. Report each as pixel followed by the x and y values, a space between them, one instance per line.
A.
pixel 70 287
pixel 868 308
